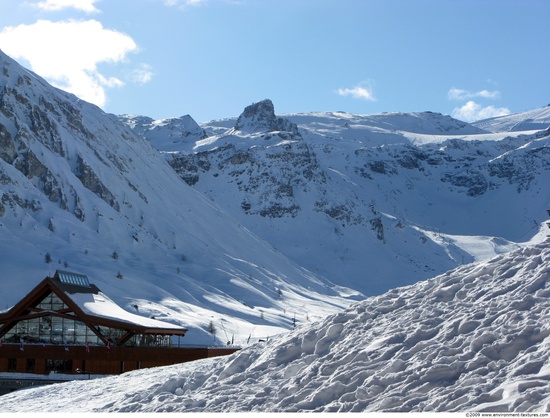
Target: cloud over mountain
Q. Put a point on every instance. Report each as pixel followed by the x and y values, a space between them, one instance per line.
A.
pixel 472 111
pixel 68 54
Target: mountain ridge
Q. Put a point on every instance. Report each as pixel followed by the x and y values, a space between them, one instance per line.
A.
pixel 374 186
pixel 80 191
pixel 259 228
pixel 268 236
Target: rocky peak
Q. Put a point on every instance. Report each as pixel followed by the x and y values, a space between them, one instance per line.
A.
pixel 260 117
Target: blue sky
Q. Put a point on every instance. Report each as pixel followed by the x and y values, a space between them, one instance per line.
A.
pixel 210 58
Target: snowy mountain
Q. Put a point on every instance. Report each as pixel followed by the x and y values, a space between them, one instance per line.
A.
pixel 536 119
pixel 167 133
pixel 80 191
pixel 371 201
pixel 243 228
pixel 473 339
pixel 279 220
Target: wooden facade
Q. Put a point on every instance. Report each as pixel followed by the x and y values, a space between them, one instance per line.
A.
pixel 52 330
pixel 38 359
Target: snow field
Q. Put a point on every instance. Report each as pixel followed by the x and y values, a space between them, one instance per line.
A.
pixel 473 339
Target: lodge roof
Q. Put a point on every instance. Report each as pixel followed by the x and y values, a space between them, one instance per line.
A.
pixel 72 278
pixel 88 303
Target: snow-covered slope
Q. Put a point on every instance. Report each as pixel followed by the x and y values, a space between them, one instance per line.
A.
pixel 288 218
pixel 473 339
pixel 370 201
pixel 536 119
pixel 80 191
pixel 167 133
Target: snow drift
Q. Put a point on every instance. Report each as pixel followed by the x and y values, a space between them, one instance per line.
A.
pixel 473 339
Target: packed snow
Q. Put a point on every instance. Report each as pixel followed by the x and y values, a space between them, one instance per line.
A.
pixel 100 305
pixel 473 339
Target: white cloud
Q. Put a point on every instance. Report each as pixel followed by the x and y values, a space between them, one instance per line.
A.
pixel 82 5
pixel 472 111
pixel 358 92
pixel 460 94
pixel 67 53
pixel 142 74
pixel 183 4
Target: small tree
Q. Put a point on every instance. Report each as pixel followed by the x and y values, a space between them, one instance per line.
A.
pixel 115 255
pixel 48 258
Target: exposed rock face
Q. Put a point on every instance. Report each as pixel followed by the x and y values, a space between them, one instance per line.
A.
pixel 190 166
pixel 473 181
pixel 261 175
pixel 36 129
pixel 520 168
pixel 7 147
pixel 260 117
pixel 91 181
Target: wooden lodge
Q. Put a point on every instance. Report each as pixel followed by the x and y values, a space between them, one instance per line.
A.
pixel 67 325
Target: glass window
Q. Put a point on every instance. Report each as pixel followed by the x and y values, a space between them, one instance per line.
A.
pixel 54 330
pixel 52 303
pixel 59 366
pixel 112 334
pixel 149 340
pixel 73 278
pixel 80 333
pixel 33 329
pixel 30 365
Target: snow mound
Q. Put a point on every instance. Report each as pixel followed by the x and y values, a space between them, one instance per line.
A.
pixel 474 339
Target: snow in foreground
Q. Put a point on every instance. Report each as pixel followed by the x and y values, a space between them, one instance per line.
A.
pixel 474 339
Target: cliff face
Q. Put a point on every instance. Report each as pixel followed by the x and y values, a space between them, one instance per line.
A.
pixel 35 122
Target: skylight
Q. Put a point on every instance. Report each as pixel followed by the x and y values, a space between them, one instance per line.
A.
pixel 73 278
